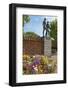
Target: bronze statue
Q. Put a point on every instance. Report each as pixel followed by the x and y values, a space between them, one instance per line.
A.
pixel 46 28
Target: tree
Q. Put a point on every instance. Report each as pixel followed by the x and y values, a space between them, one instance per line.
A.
pixel 53 33
pixel 31 35
pixel 53 27
pixel 26 19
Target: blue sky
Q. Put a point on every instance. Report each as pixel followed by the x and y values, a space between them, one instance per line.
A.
pixel 35 24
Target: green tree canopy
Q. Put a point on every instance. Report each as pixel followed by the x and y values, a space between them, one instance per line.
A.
pixel 53 27
pixel 53 33
pixel 31 34
pixel 26 19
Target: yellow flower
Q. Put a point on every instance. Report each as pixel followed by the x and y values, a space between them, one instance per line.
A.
pixel 44 59
pixel 26 57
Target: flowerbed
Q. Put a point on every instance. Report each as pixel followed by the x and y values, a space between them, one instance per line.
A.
pixel 38 64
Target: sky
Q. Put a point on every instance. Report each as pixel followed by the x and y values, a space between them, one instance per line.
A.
pixel 36 24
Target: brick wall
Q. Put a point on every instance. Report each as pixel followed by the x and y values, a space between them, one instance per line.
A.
pixel 33 46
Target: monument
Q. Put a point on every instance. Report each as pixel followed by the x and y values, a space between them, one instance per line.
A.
pixel 47 38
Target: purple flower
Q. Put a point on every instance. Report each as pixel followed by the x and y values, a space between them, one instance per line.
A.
pixel 36 62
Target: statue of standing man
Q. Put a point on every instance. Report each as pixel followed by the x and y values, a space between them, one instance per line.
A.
pixel 46 28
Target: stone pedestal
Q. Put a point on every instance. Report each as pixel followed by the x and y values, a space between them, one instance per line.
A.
pixel 47 46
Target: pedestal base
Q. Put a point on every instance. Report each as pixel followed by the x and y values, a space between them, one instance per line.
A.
pixel 47 46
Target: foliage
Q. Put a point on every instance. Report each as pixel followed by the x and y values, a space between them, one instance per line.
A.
pixel 31 34
pixel 53 27
pixel 38 64
pixel 26 19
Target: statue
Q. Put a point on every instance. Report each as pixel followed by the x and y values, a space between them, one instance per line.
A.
pixel 46 28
